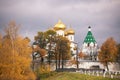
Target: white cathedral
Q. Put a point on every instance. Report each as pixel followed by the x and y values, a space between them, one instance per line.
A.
pixel 89 48
pixel 69 33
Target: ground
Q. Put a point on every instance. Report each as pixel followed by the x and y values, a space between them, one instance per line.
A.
pixel 70 76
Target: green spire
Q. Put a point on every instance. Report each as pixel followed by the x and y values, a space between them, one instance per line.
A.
pixel 89 38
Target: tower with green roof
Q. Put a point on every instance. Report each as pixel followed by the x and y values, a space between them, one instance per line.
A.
pixel 89 38
pixel 90 47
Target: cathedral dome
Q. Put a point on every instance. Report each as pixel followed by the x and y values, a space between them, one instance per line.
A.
pixel 60 25
pixel 70 31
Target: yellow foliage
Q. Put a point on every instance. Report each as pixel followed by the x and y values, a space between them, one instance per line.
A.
pixel 15 58
pixel 81 55
pixel 73 61
pixel 41 51
pixel 108 52
pixel 43 69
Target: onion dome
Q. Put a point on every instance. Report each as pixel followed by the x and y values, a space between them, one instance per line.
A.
pixel 70 31
pixel 65 33
pixel 60 26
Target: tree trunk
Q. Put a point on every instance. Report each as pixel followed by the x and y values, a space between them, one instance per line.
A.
pixel 56 60
pixel 107 66
pixel 59 62
pixel 62 61
pixel 49 58
pixel 33 64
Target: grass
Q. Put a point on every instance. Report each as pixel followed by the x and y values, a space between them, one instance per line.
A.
pixel 70 76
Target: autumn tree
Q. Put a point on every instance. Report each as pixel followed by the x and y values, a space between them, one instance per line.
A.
pixel 44 37
pixel 45 41
pixel 40 38
pixel 81 55
pixel 118 57
pixel 15 57
pixel 0 40
pixel 64 50
pixel 56 45
pixel 108 52
pixel 40 51
pixel 50 38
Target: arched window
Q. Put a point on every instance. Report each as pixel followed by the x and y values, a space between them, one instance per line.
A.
pixel 71 37
pixel 88 44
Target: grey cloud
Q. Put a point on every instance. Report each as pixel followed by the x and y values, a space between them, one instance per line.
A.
pixel 37 15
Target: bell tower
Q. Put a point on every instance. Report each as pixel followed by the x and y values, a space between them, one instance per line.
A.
pixel 90 47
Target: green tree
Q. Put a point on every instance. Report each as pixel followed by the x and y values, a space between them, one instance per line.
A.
pixel 108 52
pixel 15 57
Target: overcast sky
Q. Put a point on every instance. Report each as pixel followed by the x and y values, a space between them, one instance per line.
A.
pixel 38 15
